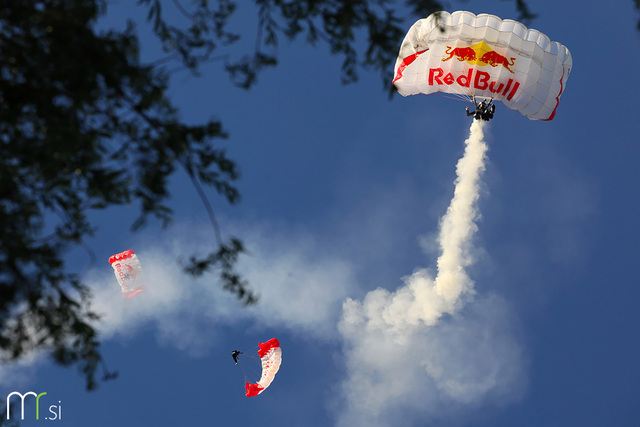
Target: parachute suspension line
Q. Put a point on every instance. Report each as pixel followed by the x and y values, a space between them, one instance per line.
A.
pixel 251 369
pixel 251 376
pixel 456 96
pixel 251 364
pixel 250 354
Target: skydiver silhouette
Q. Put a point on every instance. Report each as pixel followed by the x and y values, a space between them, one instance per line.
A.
pixel 480 111
pixel 484 111
pixel 487 111
pixel 488 114
pixel 235 354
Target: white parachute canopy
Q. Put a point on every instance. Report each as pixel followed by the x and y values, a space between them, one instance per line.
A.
pixel 128 269
pixel 271 357
pixel 484 56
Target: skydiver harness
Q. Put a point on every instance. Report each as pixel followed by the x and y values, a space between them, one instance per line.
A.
pixel 484 111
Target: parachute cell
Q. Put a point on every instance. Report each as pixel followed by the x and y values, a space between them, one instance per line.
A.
pixel 271 357
pixel 127 269
pixel 484 56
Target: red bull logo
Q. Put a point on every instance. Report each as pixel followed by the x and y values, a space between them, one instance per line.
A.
pixel 474 78
pixel 494 59
pixel 479 54
pixel 461 53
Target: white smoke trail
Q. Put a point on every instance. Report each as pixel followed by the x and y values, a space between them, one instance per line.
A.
pixel 278 263
pixel 400 351
pixel 457 225
pixel 177 308
pixel 424 299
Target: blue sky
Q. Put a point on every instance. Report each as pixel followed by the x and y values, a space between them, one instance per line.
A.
pixel 342 192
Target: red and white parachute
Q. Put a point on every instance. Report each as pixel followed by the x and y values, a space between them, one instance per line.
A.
pixel 484 57
pixel 127 269
pixel 271 357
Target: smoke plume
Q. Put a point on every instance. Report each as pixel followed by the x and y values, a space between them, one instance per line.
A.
pixel 430 345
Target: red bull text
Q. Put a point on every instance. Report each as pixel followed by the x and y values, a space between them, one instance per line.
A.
pixel 479 80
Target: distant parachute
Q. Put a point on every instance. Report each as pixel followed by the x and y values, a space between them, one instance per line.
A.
pixel 271 357
pixel 484 56
pixel 127 268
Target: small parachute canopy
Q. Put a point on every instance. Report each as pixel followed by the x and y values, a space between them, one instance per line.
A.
pixel 484 56
pixel 271 357
pixel 127 269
